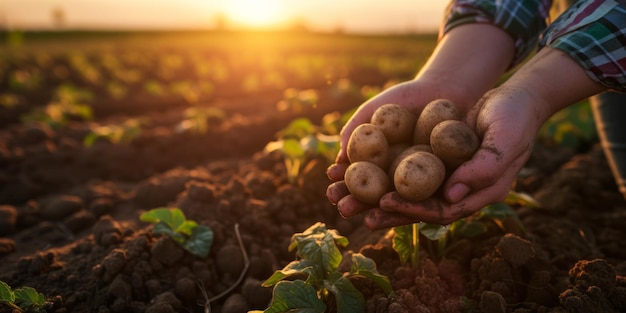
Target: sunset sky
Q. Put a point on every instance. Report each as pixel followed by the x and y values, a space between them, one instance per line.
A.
pixel 351 15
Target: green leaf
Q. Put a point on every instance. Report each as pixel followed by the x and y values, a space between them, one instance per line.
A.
pixel 295 296
pixel 292 149
pixel 294 267
pixel 316 229
pixel 200 241
pixel 163 228
pixel 6 293
pixel 90 139
pixel 173 217
pixel 348 298
pixel 498 211
pixel 469 229
pixel 194 238
pixel 187 227
pixel 322 250
pixel 362 265
pixel 298 128
pixel 28 297
pixel 433 231
pixel 522 199
pixel 402 242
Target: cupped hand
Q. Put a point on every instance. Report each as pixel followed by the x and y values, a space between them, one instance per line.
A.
pixel 414 95
pixel 507 120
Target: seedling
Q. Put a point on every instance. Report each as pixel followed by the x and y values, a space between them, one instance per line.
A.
pixel 24 80
pixel 298 100
pixel 116 133
pixel 65 106
pixel 318 259
pixel 23 299
pixel 198 120
pixel 572 127
pixel 441 239
pixel 194 238
pixel 302 141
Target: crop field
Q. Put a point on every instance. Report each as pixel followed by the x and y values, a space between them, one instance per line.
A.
pixel 186 172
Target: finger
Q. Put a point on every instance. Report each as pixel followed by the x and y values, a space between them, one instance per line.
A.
pixel 336 191
pixel 376 219
pixel 336 171
pixel 482 197
pixel 349 206
pixel 490 166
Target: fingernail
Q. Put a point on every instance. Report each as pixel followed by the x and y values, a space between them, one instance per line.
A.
pixel 457 192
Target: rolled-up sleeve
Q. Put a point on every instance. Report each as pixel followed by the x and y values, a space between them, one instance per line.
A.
pixel 524 20
pixel 594 35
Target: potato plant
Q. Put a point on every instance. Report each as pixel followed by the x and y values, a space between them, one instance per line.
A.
pixel 122 133
pixel 199 120
pixel 318 260
pixel 441 239
pixel 23 299
pixel 194 238
pixel 302 141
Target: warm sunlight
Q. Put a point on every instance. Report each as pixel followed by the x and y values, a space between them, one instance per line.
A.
pixel 254 13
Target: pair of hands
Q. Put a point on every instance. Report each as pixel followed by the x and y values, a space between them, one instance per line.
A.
pixel 505 121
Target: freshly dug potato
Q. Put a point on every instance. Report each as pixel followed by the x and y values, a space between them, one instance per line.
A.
pixel 406 152
pixel 368 143
pixel 396 149
pixel 454 142
pixel 419 175
pixel 396 122
pixel 366 181
pixel 434 113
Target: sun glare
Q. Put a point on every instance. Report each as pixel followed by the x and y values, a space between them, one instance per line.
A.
pixel 254 13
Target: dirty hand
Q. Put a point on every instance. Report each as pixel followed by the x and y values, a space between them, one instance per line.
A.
pixel 414 95
pixel 507 120
pixel 507 123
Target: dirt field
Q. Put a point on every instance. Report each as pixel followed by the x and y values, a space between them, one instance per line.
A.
pixel 69 212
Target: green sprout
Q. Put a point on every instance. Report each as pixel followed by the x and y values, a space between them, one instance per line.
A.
pixel 571 127
pixel 319 259
pixel 406 241
pixel 65 106
pixel 194 238
pixel 198 120
pixel 122 133
pixel 23 299
pixel 302 141
pixel 298 100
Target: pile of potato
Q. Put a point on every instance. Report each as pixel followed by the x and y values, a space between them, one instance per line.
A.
pixel 412 155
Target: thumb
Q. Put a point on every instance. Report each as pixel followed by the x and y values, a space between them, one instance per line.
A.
pixel 490 173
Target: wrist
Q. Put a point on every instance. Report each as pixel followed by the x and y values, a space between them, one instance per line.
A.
pixel 464 66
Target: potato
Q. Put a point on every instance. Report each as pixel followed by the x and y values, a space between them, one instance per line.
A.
pixel 396 149
pixel 368 143
pixel 396 122
pixel 419 175
pixel 403 154
pixel 454 142
pixel 434 113
pixel 366 182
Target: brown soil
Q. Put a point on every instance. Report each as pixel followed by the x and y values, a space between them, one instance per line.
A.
pixel 70 228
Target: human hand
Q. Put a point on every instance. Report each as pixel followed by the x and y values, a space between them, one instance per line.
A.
pixel 413 95
pixel 507 120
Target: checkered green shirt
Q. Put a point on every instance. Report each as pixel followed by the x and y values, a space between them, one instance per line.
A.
pixel 592 32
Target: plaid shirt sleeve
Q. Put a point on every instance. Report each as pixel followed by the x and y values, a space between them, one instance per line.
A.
pixel 524 20
pixel 593 32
